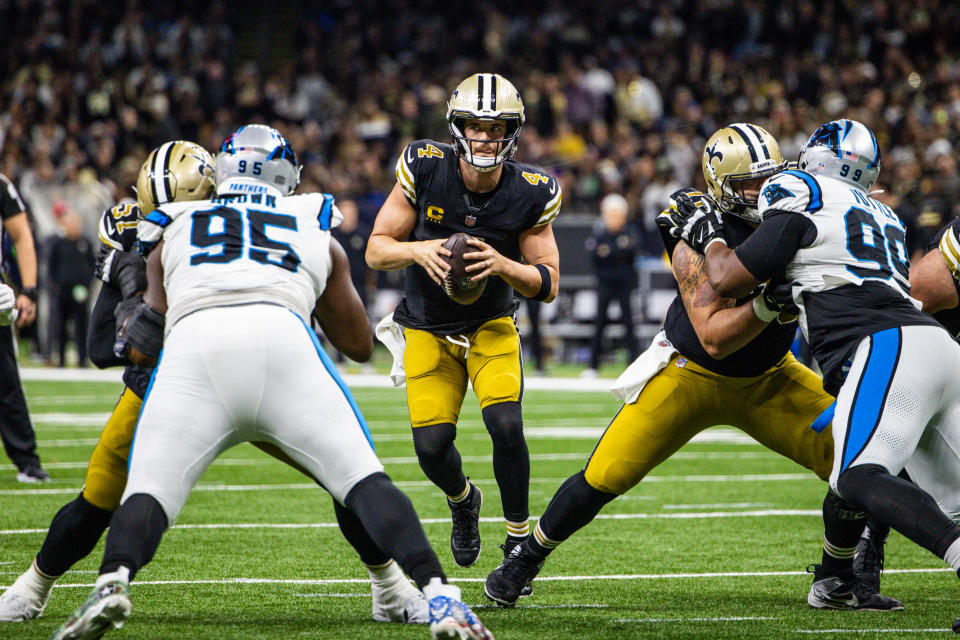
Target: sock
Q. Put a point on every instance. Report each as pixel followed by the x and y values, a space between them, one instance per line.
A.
pixel 463 495
pixel 539 545
pixel 122 574
pixel 437 587
pixel 386 574
pixel 73 534
pixel 517 531
pixel 842 526
pixel 36 581
pixel 952 556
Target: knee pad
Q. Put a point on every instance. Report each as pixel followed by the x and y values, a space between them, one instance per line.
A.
pixel 433 442
pixel 504 422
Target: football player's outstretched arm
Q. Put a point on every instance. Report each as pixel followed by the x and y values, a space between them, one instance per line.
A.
pixel 340 311
pixel 721 326
pixel 538 246
pixel 19 229
pixel 155 295
pixel 932 283
pixel 727 274
pixel 388 248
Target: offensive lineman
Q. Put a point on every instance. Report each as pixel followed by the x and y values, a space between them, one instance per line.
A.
pixel 232 282
pixel 175 171
pixel 843 255
pixel 718 360
pixel 471 186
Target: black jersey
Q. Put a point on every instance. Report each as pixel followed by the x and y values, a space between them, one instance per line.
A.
pixel 753 358
pixel 429 175
pixel 118 233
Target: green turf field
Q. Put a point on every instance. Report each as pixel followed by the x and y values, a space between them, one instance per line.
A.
pixel 712 545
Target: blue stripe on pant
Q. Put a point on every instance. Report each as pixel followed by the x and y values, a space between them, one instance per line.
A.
pixel 871 394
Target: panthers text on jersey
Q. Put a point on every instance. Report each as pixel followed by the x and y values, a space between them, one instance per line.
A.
pixel 850 280
pixel 429 176
pixel 277 249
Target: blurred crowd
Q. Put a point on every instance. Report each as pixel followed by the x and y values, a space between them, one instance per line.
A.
pixel 618 100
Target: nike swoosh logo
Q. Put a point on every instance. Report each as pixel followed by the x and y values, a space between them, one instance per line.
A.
pixel 409 155
pixel 553 189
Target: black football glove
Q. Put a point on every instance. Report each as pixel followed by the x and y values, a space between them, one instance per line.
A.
pixel 692 217
pixel 121 314
pixel 775 302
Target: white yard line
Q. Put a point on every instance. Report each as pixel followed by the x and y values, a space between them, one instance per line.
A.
pixel 859 631
pixel 366 581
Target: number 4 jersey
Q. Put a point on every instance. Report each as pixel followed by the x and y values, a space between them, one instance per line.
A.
pixel 243 249
pixel 850 273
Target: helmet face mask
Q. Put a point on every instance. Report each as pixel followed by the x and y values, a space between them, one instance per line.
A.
pixel 256 154
pixel 173 172
pixel 736 161
pixel 843 149
pixel 487 97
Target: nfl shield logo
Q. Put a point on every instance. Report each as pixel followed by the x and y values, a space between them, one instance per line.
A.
pixel 470 220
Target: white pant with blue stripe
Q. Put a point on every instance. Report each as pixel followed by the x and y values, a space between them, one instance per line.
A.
pixel 900 408
pixel 252 373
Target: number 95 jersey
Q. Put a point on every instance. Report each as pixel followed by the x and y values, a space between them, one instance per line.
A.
pixel 240 249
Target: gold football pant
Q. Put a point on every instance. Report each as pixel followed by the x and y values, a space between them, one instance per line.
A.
pixel 107 471
pixel 775 408
pixel 438 367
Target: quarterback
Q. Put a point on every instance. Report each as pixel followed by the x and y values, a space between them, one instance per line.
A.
pixel 718 360
pixel 843 256
pixel 472 186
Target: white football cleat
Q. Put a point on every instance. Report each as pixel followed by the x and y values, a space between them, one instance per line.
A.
pixel 24 599
pixel 107 606
pixel 450 619
pixel 396 600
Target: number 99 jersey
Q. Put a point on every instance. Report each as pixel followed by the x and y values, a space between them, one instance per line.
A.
pixel 850 279
pixel 241 249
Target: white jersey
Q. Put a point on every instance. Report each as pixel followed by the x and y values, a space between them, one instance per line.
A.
pixel 852 278
pixel 858 238
pixel 243 248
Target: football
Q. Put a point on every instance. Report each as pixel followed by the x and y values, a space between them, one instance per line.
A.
pixel 457 284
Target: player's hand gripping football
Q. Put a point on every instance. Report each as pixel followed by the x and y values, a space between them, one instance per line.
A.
pixel 692 217
pixel 430 255
pixel 488 263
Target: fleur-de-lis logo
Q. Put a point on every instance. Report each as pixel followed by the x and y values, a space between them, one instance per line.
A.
pixel 713 154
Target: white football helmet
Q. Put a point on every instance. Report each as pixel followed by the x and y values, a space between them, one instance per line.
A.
pixel 485 96
pixel 257 154
pixel 845 150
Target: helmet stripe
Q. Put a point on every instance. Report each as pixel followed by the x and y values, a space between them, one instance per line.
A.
pixel 159 184
pixel 746 138
pixel 479 92
pixel 763 143
pixel 493 92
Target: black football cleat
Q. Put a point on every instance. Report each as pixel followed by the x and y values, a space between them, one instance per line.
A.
pixel 507 547
pixel 867 566
pixel 465 536
pixel 506 583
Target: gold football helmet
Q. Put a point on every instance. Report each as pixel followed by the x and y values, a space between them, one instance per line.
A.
pixel 485 96
pixel 174 171
pixel 735 154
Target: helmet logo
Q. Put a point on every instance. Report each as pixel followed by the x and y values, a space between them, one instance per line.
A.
pixel 713 153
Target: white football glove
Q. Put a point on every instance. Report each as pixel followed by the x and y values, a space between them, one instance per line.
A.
pixel 8 305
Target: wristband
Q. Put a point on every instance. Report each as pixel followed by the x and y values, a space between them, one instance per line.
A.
pixel 762 311
pixel 30 292
pixel 545 283
pixel 717 239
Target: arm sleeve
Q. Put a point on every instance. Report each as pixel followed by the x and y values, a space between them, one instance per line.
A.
pixel 102 331
pixel 772 246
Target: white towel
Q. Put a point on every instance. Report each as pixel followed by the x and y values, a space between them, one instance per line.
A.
pixel 631 382
pixel 391 334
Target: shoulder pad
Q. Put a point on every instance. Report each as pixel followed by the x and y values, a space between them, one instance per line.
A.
pixel 410 161
pixel 950 247
pixel 547 193
pixel 791 191
pixel 118 226
pixel 328 215
pixel 151 226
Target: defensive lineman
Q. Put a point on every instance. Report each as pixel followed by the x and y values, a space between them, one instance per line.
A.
pixel 843 257
pixel 238 278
